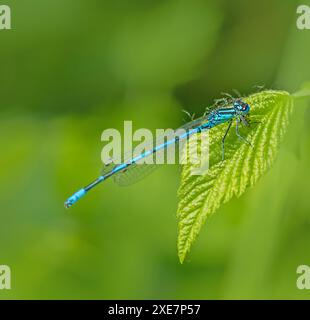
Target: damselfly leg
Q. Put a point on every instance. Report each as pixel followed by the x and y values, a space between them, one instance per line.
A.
pixel 238 120
pixel 223 140
pixel 237 93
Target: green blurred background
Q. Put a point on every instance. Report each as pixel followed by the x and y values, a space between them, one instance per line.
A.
pixel 69 70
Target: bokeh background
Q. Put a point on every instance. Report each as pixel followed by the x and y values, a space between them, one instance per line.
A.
pixel 69 70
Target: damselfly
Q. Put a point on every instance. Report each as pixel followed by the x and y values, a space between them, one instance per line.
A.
pixel 130 169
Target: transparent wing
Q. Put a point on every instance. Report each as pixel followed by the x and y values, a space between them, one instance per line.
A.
pixel 148 164
pixel 134 174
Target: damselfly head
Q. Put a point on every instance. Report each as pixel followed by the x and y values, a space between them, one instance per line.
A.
pixel 241 106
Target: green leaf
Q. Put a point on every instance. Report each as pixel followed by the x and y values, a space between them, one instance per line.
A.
pixel 200 196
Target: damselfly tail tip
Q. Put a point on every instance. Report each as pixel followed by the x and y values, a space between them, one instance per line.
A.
pixel 73 199
pixel 68 204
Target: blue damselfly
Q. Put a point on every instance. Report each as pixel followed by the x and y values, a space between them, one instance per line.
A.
pixel 130 170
